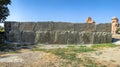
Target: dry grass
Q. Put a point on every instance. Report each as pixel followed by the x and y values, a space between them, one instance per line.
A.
pixel 72 56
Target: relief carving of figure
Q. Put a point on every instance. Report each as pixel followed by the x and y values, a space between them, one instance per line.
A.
pixel 115 25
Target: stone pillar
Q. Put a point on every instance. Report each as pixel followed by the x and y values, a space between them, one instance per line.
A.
pixel 115 25
pixel 89 20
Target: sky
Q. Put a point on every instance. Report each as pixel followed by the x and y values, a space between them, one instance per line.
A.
pixel 100 11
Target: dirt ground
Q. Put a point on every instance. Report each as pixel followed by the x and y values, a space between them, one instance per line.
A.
pixel 27 58
pixel 107 56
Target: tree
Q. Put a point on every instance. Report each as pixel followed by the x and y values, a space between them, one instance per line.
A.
pixel 4 11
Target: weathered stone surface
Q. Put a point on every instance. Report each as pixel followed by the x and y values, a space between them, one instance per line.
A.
pixel 103 27
pixel 42 37
pixel 71 37
pixel 37 37
pixel 27 26
pixel 11 26
pixel 102 37
pixel 14 36
pixel 79 39
pixel 87 37
pixel 28 37
pixel 108 38
pixel 61 38
pixel 15 25
pixel 60 26
pixel 53 37
pixel 84 27
pixel 95 37
pixel 7 26
pixel 57 33
pixel 43 26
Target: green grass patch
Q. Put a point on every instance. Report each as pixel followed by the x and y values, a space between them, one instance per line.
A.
pixel 103 45
pixel 70 54
pixel 39 49
pixel 70 46
pixel 66 53
pixel 79 49
pixel 83 49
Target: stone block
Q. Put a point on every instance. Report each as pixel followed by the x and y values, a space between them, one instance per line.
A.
pixel 108 38
pixel 87 37
pixel 7 26
pixel 84 27
pixel 61 38
pixel 43 26
pixel 28 37
pixel 11 26
pixel 62 26
pixel 102 37
pixel 27 26
pixel 15 26
pixel 14 36
pixel 79 39
pixel 71 37
pixel 103 27
pixel 96 37
pixel 53 37
pixel 42 37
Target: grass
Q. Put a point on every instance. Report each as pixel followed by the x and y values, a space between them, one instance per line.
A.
pixel 66 53
pixel 103 45
pixel 90 62
pixel 70 54
pixel 70 46
pixel 79 49
pixel 83 49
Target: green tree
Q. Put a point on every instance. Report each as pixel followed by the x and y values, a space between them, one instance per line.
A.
pixel 4 11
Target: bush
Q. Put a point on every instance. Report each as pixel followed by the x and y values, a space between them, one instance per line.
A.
pixel 1 29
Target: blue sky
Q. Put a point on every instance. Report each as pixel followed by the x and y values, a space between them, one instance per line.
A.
pixel 64 10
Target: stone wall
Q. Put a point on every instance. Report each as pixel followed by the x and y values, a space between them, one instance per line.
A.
pixel 84 27
pixel 71 37
pixel 106 27
pixel 57 33
pixel 59 37
pixel 57 26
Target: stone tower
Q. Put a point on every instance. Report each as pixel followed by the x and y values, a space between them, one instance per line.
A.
pixel 115 25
